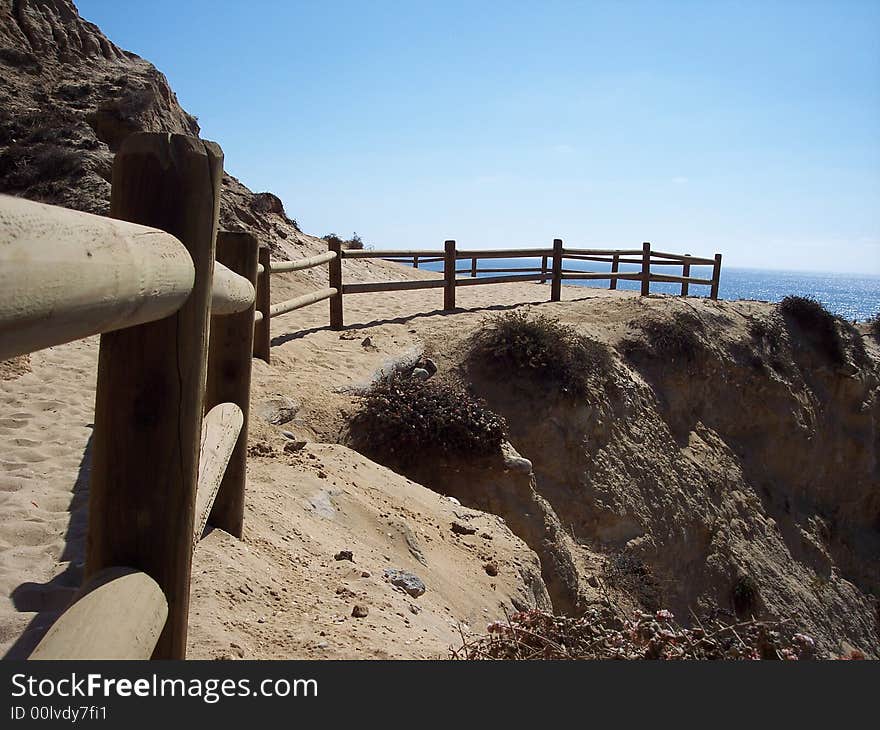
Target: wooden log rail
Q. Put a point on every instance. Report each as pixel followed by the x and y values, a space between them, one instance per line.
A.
pixel 148 280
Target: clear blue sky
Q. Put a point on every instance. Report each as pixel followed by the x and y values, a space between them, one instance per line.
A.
pixel 749 128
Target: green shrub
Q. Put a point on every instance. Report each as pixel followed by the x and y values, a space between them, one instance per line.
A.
pixel 816 324
pixel 542 349
pixel 401 418
pixel 355 243
pixel 745 595
pixel 674 341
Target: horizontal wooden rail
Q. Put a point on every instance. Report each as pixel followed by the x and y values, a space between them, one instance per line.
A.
pixel 220 431
pixel 119 614
pixel 682 258
pixel 65 275
pixel 278 267
pixel 571 275
pixel 603 259
pixel 680 279
pixel 566 252
pixel 375 286
pixel 512 253
pixel 305 300
pixel 499 279
pixel 230 293
pixel 512 270
pixel 415 260
pixel 365 254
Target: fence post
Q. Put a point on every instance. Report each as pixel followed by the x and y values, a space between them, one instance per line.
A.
pixel 335 268
pixel 415 262
pixel 685 271
pixel 449 264
pixel 556 281
pixel 229 376
pixel 615 267
pixel 262 334
pixel 151 383
pixel 646 269
pixel 544 269
pixel 716 276
pixel 473 267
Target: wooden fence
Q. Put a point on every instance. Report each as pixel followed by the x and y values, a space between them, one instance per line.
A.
pixel 181 309
pixel 551 268
pixel 173 301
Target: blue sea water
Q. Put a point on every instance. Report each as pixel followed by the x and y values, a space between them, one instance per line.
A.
pixel 852 296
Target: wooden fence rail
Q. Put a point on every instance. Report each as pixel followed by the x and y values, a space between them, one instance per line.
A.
pixel 182 309
pixel 148 280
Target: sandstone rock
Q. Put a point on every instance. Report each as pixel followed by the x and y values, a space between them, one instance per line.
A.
pixel 360 611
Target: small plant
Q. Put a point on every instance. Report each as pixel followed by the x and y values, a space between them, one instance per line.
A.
pixel 540 348
pixel 402 417
pixel 355 243
pixel 744 595
pixel 627 572
pixel 874 326
pixel 816 324
pixel 675 340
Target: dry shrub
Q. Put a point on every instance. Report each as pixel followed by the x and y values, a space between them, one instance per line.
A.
pixel 402 418
pixel 607 633
pixel 874 326
pixel 22 167
pixel 631 574
pixel 674 341
pixel 542 349
pixel 815 325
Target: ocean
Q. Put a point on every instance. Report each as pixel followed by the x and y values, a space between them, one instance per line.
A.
pixel 852 296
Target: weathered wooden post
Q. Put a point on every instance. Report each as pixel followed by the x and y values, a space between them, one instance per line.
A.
pixel 151 383
pixel 449 264
pixel 473 267
pixel 544 269
pixel 646 269
pixel 229 376
pixel 685 272
pixel 335 267
pixel 716 276
pixel 556 281
pixel 615 267
pixel 262 333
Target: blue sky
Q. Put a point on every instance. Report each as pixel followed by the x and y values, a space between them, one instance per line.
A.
pixel 749 128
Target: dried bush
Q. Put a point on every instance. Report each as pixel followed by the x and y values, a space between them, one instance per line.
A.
pixel 874 326
pixel 674 341
pixel 541 349
pixel 22 167
pixel 744 595
pixel 631 574
pixel 607 633
pixel 401 418
pixel 816 325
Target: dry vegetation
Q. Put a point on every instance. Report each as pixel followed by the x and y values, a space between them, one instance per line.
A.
pixel 607 633
pixel 401 418
pixel 547 352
